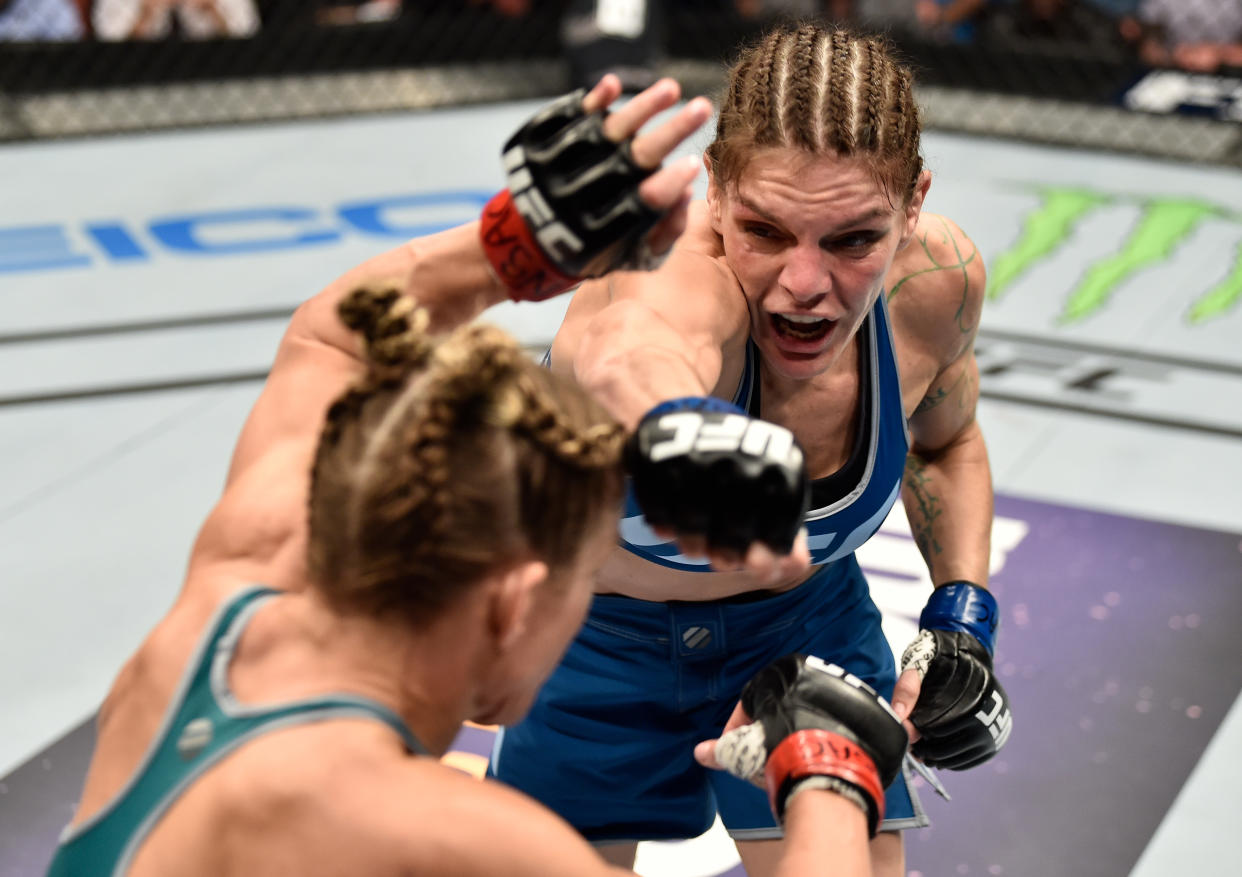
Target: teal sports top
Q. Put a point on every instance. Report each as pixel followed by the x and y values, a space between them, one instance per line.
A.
pixel 204 723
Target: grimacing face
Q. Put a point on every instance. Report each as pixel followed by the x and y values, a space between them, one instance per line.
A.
pixel 810 239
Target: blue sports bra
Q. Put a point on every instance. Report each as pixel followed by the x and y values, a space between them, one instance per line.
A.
pixel 848 506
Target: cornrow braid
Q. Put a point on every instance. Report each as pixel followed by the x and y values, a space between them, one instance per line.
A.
pixel 471 368
pixel 734 95
pixel 821 89
pixel 800 118
pixel 872 135
pixel 760 93
pixel 591 448
pixel 841 84
pixel 909 126
pixel 393 338
pixel 392 326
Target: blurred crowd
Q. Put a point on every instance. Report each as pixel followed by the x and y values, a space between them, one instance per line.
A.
pixel 117 20
pixel 1195 35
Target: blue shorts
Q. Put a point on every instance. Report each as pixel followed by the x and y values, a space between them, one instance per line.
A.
pixel 609 743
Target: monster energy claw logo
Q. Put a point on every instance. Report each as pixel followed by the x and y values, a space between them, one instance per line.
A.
pixel 1164 223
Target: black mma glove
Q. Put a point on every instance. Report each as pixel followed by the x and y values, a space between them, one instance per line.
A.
pixel 816 726
pixel 962 713
pixel 572 208
pixel 701 466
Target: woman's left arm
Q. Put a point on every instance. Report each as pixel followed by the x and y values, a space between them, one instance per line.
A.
pixel 947 489
pixel 958 712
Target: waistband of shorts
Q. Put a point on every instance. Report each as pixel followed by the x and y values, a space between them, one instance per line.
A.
pixel 750 613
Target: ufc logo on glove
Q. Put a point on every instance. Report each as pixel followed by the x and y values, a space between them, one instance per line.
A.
pixel 725 434
pixel 701 465
pixel 553 235
pixel 998 720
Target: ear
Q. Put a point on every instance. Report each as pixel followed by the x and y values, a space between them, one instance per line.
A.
pixel 911 219
pixel 715 206
pixel 511 600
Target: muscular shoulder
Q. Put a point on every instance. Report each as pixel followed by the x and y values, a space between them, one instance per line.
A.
pixel 936 287
pixel 251 535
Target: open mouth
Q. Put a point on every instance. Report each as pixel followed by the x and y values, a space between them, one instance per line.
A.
pixel 801 328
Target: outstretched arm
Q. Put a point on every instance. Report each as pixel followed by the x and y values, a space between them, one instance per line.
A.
pixel 663 351
pixel 259 525
pixel 654 336
pixel 822 741
pixel 825 746
pixel 450 276
pixel 825 836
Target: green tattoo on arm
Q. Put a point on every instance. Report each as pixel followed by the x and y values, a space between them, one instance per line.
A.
pixel 926 508
pixel 931 400
pixel 937 395
pixel 961 265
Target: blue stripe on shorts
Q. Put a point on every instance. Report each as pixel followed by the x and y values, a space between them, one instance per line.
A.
pixel 609 742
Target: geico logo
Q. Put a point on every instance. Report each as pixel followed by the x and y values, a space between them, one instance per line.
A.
pixel 234 231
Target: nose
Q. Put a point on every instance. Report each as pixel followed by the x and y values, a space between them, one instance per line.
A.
pixel 805 274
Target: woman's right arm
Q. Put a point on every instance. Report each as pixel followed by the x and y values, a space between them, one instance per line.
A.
pixel 825 834
pixel 257 531
pixel 657 335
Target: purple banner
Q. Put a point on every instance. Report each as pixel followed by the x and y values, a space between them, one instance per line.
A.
pixel 1118 650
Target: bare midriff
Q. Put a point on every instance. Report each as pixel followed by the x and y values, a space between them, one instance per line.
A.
pixel 630 575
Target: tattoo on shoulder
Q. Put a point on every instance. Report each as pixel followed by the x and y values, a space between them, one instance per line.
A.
pixel 961 265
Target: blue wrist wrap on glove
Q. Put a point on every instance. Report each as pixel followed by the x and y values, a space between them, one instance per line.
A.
pixel 965 607
pixel 696 403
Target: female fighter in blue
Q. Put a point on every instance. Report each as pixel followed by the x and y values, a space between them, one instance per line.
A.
pixel 810 295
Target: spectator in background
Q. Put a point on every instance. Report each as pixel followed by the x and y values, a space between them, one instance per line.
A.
pixel 1200 37
pixel 883 15
pixel 40 21
pixel 833 10
pixel 1091 23
pixel 1116 8
pixel 510 8
pixel 624 37
pixel 952 21
pixel 158 19
pixel 346 12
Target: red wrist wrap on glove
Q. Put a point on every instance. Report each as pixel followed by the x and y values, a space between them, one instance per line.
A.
pixel 515 255
pixel 815 752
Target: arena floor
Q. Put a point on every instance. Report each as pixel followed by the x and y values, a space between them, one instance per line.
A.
pixel 145 282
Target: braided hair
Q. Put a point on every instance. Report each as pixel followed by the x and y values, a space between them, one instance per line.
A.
pixel 449 459
pixel 825 90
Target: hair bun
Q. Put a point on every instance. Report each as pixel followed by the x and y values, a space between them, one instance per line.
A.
pixel 391 324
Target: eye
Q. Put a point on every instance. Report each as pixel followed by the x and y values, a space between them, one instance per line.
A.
pixel 857 240
pixel 764 232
